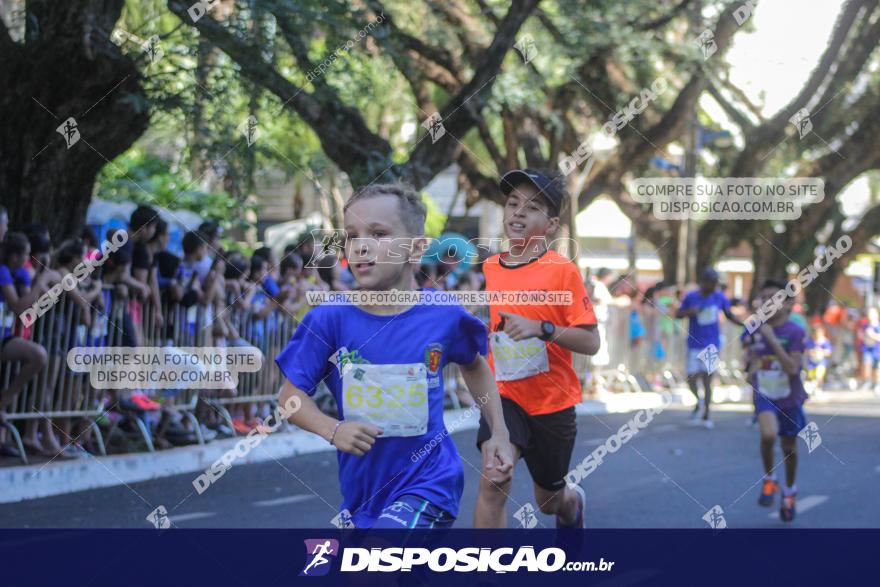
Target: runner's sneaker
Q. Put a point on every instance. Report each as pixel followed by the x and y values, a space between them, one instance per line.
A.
pixel 768 491
pixel 582 504
pixel 708 424
pixel 787 510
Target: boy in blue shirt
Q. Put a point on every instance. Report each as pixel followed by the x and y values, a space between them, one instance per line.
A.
pixel 701 307
pixel 398 467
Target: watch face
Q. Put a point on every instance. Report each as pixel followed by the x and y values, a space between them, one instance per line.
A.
pixel 547 328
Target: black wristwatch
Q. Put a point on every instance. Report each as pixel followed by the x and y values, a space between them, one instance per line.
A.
pixel 547 330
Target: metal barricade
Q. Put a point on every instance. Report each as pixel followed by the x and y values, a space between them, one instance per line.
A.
pixel 60 394
pixel 270 335
pixel 56 392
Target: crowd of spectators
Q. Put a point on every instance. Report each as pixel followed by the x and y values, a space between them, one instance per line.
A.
pixel 141 294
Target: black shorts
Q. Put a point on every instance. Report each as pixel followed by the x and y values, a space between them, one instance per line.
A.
pixel 546 441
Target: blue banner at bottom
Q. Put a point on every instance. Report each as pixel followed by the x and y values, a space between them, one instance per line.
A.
pixel 465 557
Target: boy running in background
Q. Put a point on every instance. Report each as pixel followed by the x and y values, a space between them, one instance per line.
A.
pixel 701 307
pixel 871 349
pixel 398 466
pixel 819 350
pixel 775 353
pixel 531 348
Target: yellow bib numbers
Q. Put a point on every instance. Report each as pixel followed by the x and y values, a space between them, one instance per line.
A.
pixel 518 359
pixel 395 396
pixel 392 397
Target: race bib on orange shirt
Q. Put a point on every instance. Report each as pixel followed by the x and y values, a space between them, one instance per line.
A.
pixel 518 359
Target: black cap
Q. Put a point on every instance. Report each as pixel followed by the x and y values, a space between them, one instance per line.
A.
pixel 709 274
pixel 549 188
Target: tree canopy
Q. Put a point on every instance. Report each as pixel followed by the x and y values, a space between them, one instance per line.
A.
pixel 391 90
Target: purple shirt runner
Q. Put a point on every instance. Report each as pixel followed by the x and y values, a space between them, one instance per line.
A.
pixel 770 380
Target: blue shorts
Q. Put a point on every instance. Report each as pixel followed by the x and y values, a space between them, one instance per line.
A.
pixel 871 356
pixel 791 420
pixel 410 511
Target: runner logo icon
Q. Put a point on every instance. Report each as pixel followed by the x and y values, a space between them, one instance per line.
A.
pixel 320 552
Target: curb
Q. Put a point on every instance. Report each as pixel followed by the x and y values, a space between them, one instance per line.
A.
pixel 20 483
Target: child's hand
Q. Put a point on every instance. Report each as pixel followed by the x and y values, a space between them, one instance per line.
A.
pixel 355 438
pixel 497 459
pixel 766 330
pixel 520 327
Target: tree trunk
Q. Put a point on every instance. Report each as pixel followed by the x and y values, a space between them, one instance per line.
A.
pixel 818 294
pixel 66 68
pixel 668 254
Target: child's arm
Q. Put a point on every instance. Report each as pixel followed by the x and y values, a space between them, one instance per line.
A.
pixel 687 312
pixel 732 317
pixel 583 340
pixel 354 438
pixel 155 299
pixel 497 452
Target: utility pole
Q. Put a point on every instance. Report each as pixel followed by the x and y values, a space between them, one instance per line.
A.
pixel 686 269
pixel 690 171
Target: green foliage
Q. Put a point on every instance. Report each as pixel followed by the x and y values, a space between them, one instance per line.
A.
pixel 143 178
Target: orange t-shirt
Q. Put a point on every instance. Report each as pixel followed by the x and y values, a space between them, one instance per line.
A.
pixel 557 388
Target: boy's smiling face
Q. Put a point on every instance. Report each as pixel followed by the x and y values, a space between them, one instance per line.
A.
pixel 527 215
pixel 379 249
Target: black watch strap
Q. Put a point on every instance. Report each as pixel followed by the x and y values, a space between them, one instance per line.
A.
pixel 548 329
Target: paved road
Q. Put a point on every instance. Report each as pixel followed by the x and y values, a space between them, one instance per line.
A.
pixel 667 476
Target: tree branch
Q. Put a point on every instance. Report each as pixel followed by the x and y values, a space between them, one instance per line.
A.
pixel 488 12
pixel 475 183
pixel 773 130
pixel 738 117
pixel 743 98
pixel 659 22
pixel 636 149
pixel 462 112
pixel 344 135
pixel 466 28
pixel 400 40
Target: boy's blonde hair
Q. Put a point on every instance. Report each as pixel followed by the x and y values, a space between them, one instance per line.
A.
pixel 412 209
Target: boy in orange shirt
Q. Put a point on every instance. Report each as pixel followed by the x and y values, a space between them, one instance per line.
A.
pixel 531 348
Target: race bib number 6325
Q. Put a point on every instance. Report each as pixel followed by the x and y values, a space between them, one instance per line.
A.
pixel 391 397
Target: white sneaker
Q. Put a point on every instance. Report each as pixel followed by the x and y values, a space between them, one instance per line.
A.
pixel 708 424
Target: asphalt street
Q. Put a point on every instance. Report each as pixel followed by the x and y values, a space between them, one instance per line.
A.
pixel 667 476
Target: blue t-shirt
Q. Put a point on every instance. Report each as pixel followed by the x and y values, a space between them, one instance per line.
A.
pixel 703 328
pixel 5 279
pixel 825 345
pixel 15 278
pixel 22 276
pixel 271 286
pixel 19 277
pixel 427 466
pixel 869 345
